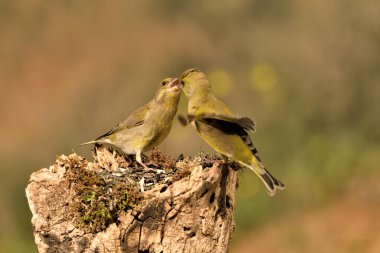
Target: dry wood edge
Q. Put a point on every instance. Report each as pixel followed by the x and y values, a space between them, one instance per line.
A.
pixel 193 214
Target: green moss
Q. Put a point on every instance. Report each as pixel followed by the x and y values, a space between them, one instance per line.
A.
pixel 98 216
pixel 99 195
pixel 97 203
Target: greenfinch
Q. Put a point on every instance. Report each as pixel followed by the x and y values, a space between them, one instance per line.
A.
pixel 149 125
pixel 223 130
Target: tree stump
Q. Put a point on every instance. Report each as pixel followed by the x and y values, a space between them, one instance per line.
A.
pixel 114 205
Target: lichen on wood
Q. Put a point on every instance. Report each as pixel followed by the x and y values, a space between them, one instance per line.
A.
pixel 115 205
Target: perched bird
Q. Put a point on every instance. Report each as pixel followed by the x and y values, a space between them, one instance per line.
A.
pixel 222 129
pixel 149 125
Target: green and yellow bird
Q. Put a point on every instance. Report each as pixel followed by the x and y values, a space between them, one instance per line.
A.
pixel 149 125
pixel 222 129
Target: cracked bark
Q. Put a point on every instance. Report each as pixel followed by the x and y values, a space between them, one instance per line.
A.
pixel 193 214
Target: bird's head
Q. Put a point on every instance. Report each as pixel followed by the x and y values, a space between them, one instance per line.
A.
pixel 169 88
pixel 193 79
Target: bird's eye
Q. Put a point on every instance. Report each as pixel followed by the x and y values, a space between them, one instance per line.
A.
pixel 163 83
pixel 182 82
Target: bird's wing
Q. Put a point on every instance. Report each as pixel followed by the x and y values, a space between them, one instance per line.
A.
pixel 135 119
pixel 232 129
pixel 244 122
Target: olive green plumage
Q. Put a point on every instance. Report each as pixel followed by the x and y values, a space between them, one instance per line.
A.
pixel 149 125
pixel 222 129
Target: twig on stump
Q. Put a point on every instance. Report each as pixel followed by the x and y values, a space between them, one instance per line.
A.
pixel 113 205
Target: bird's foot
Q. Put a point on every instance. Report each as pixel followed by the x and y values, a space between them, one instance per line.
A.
pixel 145 167
pixel 142 183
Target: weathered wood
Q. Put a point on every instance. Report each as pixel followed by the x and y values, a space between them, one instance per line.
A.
pixel 192 214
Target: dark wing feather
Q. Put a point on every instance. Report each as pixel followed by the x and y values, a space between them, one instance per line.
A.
pixel 244 122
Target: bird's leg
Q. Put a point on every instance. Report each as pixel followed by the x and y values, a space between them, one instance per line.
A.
pixel 224 159
pixel 139 160
pixel 142 180
pixel 183 120
pixel 142 183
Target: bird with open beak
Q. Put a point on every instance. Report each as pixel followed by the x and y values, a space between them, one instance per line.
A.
pixel 148 126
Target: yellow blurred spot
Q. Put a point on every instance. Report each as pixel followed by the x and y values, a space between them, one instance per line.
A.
pixel 263 77
pixel 221 82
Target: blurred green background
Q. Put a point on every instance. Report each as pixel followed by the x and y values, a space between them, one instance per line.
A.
pixel 308 72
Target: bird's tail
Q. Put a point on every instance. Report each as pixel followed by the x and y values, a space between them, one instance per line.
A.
pixel 98 140
pixel 90 142
pixel 271 183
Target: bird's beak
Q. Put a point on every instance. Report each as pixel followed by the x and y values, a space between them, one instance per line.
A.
pixel 174 84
